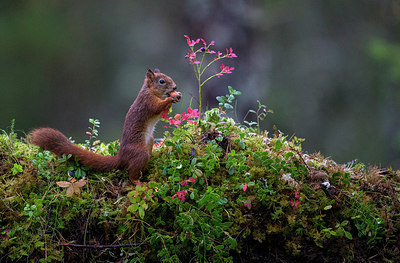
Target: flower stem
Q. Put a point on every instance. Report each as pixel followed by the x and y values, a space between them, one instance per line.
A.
pixel 200 104
pixel 208 79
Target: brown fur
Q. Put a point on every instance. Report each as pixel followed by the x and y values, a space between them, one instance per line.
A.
pixel 137 137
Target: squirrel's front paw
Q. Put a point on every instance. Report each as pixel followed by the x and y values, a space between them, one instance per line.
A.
pixel 176 96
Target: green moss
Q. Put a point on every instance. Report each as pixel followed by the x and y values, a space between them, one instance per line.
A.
pixel 212 194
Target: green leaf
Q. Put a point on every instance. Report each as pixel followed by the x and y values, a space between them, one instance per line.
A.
pixel 219 247
pixel 200 164
pixel 242 145
pixel 223 201
pixel 228 106
pixel 288 155
pixel 348 235
pixel 220 99
pixel 232 243
pixel 278 145
pixel 169 143
pixel 198 172
pixel 133 208
pixel 141 212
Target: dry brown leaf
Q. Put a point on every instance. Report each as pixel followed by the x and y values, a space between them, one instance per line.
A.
pixel 64 184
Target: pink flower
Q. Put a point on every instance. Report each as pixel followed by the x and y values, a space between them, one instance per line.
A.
pixel 184 183
pixel 296 195
pixel 244 187
pixel 226 69
pixel 191 55
pixel 165 114
pixel 190 42
pixel 174 122
pixel 230 54
pixel 184 116
pixel 193 113
pixel 248 205
pixel 180 195
pixel 191 179
pixel 295 203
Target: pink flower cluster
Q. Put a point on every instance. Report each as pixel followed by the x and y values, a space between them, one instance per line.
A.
pixel 178 118
pixel 192 54
pixel 180 195
pixel 224 69
pixel 295 202
pixel 185 182
pixel 229 54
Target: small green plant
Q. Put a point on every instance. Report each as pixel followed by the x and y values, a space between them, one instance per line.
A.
pixel 16 169
pixel 261 114
pixel 42 160
pixel 93 133
pixel 225 102
pixel 338 232
pixel 11 136
pixel 139 199
pixel 35 210
pixel 367 220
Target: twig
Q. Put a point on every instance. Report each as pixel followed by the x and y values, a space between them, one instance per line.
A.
pixel 102 246
pixel 162 239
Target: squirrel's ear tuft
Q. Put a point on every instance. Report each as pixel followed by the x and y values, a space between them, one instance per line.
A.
pixel 150 74
pixel 156 70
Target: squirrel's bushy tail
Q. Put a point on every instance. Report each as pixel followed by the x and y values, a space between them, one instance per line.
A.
pixel 54 141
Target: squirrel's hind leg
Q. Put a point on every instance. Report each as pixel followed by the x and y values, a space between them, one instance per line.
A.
pixel 138 166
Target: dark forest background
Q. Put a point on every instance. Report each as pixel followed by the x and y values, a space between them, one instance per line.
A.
pixel 329 69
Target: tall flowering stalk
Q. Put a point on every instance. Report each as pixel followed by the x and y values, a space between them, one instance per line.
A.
pixel 196 58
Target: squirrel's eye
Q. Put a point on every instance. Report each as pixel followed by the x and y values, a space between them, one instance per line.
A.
pixel 161 81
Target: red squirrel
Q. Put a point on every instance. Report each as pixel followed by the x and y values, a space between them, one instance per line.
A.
pixel 155 97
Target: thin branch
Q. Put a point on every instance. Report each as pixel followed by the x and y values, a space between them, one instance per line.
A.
pixel 102 246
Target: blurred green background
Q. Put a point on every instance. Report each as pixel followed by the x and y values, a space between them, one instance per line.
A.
pixel 329 69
